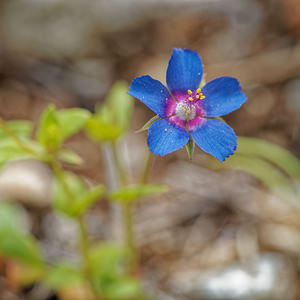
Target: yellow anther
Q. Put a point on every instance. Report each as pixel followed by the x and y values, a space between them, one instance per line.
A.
pixel 191 99
pixel 202 97
pixel 199 91
pixel 190 92
pixel 197 96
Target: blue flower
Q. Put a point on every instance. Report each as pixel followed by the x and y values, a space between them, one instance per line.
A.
pixel 186 111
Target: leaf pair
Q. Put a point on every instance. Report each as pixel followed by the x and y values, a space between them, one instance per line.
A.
pixel 72 196
pixel 56 126
pixel 111 119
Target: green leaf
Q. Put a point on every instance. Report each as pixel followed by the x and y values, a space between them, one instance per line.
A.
pixel 132 193
pixel 69 157
pixel 101 131
pixel 9 217
pixel 109 275
pixel 10 150
pixel 148 124
pixel 72 120
pixel 20 247
pixel 72 197
pixel 267 173
pixel 65 192
pixel 120 105
pixel 106 257
pixel 112 118
pixel 124 288
pixel 190 146
pixel 49 132
pixel 56 126
pixel 270 152
pixel 274 166
pixel 14 242
pixel 63 275
pixel 18 128
pixel 85 201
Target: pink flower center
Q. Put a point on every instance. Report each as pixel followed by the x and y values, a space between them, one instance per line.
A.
pixel 185 108
pixel 185 111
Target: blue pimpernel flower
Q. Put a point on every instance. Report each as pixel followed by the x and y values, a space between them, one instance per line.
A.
pixel 186 111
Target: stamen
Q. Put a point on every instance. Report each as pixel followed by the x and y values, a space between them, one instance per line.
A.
pixel 199 91
pixel 202 97
pixel 190 92
pixel 197 96
pixel 191 99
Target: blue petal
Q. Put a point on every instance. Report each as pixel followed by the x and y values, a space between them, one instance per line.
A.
pixel 222 96
pixel 184 71
pixel 216 138
pixel 164 137
pixel 151 92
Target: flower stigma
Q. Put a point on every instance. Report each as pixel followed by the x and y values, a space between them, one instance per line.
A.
pixel 185 111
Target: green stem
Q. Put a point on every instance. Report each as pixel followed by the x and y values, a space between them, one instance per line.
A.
pixel 129 238
pixel 59 173
pixel 145 172
pixel 127 218
pixel 84 247
pixel 84 240
pixel 119 166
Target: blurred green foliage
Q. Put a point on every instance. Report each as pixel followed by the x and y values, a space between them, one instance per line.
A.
pixel 15 242
pixel 132 193
pixel 104 266
pixel 56 126
pixel 63 275
pixel 109 273
pixel 71 195
pixel 112 118
pixel 273 165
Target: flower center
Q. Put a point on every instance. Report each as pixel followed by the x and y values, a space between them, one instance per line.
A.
pixel 185 111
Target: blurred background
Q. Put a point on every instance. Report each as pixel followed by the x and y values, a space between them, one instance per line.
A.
pixel 217 235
